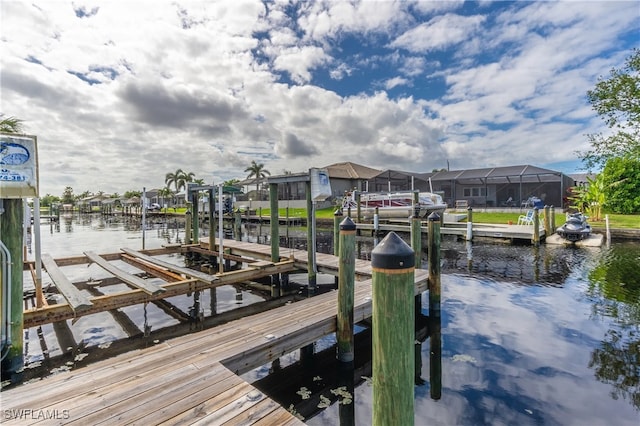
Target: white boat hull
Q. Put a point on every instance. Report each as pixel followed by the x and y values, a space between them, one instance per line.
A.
pixel 395 205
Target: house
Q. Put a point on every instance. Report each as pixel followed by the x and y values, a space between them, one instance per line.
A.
pixel 509 186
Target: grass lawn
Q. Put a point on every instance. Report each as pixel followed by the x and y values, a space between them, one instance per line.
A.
pixel 615 220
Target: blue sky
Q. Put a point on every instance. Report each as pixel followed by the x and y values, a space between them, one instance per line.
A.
pixel 121 92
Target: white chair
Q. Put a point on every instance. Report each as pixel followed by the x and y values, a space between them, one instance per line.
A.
pixel 526 219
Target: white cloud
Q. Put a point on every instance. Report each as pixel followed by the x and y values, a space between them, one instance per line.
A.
pixel 208 87
pixel 439 33
pixel 395 82
pixel 299 61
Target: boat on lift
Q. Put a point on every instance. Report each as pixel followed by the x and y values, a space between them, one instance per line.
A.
pixel 399 204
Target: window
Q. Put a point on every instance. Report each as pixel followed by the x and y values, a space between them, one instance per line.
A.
pixel 475 192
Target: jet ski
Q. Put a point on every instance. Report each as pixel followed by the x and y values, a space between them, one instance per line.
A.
pixel 575 228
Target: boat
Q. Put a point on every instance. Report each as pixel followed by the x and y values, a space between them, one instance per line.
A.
pixel 394 204
pixel 575 228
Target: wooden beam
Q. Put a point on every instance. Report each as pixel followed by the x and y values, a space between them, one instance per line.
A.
pixel 200 276
pixel 151 268
pixel 77 301
pixel 79 260
pixel 34 317
pixel 133 280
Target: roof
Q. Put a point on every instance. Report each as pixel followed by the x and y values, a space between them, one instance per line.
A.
pixel 345 170
pixel 400 177
pixel 511 174
pixel 348 170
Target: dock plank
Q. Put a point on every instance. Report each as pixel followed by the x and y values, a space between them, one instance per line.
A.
pixel 73 296
pixel 133 280
pixel 192 379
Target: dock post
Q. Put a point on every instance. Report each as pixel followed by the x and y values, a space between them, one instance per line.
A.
pixel 393 366
pixel 376 223
pixel 195 216
pixel 237 221
pixel 212 224
pixel 553 219
pixel 311 247
pixel 547 221
pixel 469 224
pixel 337 218
pixel 358 210
pixel 187 225
pixel 433 250
pixel 275 236
pixel 535 239
pixel 416 236
pixel 11 225
pixel 346 288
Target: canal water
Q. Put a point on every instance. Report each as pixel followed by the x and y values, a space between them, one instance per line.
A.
pixel 528 336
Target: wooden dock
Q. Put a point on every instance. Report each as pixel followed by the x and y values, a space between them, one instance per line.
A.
pixel 512 232
pixel 193 379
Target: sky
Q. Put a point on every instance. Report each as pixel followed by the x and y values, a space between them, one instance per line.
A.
pixel 119 93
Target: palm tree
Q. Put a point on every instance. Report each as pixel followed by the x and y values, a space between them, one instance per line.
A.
pixel 257 170
pixel 11 125
pixel 165 193
pixel 179 179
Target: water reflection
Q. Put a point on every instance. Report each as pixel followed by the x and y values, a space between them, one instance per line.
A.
pixel 546 335
pixel 614 290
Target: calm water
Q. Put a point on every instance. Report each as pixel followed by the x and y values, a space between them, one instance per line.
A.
pixel 547 335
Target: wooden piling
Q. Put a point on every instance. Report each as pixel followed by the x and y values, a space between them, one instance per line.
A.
pixel 275 237
pixel 393 270
pixel 547 221
pixel 553 219
pixel 346 286
pixel 535 239
pixel 195 216
pixel 433 253
pixel 376 222
pixel 237 222
pixel 212 223
pixel 11 225
pixel 470 224
pixel 416 237
pixel 337 219
pixel 311 249
pixel 187 225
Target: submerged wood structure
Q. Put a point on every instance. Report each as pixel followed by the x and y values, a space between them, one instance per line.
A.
pixel 191 379
pixel 176 280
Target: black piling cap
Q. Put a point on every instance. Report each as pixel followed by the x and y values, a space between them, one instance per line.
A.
pixel 393 253
pixel 434 216
pixel 338 212
pixel 347 224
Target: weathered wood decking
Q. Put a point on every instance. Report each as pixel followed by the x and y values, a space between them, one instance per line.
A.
pixel 192 379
